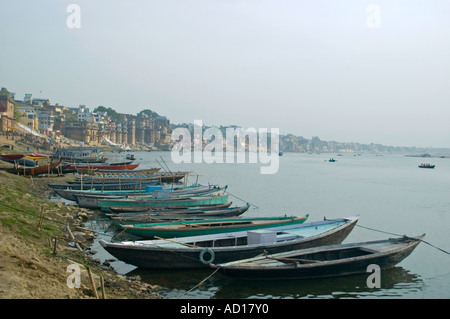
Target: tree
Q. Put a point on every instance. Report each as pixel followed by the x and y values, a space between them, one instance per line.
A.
pixel 148 112
pixel 112 113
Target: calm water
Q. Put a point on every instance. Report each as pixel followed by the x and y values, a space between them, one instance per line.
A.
pixel 390 193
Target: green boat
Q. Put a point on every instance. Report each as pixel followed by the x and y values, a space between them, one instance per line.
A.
pixel 162 203
pixel 207 227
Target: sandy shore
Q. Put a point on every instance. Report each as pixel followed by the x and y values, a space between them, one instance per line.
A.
pixel 31 268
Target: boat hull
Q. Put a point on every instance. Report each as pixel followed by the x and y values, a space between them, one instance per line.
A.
pixel 106 186
pixel 199 228
pixel 234 247
pixel 181 214
pixel 334 267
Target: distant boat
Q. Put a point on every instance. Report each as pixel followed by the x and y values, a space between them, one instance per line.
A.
pixel 332 160
pixel 130 157
pixel 323 261
pixel 426 165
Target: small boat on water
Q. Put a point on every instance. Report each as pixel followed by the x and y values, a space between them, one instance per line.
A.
pixel 106 173
pixel 87 200
pixel 199 251
pixel 141 204
pixel 426 165
pixel 206 227
pixel 130 157
pixel 136 185
pixel 128 211
pixel 193 213
pixel 126 175
pixel 80 154
pixel 323 261
pixel 332 160
pixel 108 166
pixel 150 188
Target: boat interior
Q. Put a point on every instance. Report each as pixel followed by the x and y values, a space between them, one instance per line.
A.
pixel 325 255
pixel 243 240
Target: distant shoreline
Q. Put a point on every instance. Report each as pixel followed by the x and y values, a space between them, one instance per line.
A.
pixel 426 155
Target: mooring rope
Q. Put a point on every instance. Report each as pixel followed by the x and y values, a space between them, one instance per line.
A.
pixel 424 241
pixel 241 199
pixel 201 282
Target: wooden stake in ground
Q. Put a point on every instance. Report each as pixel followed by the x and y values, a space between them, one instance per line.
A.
pixel 102 284
pixel 41 218
pixel 92 283
pixel 72 237
pixel 54 245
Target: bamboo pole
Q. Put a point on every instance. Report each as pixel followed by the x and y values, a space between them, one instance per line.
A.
pixel 72 237
pixel 102 284
pixel 94 290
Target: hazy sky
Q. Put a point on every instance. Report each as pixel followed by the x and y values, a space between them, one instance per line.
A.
pixel 340 70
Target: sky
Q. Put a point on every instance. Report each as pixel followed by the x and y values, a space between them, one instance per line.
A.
pixel 350 71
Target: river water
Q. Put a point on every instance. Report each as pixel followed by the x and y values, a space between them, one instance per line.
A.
pixel 389 193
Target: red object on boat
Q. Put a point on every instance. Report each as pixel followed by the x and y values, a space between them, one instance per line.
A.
pixel 12 157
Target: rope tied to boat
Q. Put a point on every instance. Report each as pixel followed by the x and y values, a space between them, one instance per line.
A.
pixel 226 191
pixel 389 233
pixel 201 282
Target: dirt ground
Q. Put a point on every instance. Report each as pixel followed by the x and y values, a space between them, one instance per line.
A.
pixel 30 268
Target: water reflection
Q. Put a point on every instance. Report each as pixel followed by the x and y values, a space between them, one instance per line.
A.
pixel 395 283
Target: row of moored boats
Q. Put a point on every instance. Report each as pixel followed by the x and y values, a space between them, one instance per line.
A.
pixel 174 226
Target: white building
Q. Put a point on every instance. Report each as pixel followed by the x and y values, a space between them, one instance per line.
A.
pixel 46 120
pixel 84 115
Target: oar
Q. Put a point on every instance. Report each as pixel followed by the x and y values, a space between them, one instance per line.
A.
pixel 176 242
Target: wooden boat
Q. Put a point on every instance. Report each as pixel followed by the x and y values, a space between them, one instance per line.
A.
pixel 36 170
pixel 106 186
pixel 108 166
pixel 141 204
pixel 69 194
pixel 94 159
pixel 324 261
pixel 426 165
pixel 207 227
pixel 161 177
pixel 105 173
pixel 199 251
pixel 80 154
pixel 28 159
pixel 87 200
pixel 179 214
pixel 124 211
pixel 19 161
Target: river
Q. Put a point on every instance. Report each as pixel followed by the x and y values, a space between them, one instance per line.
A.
pixel 389 193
